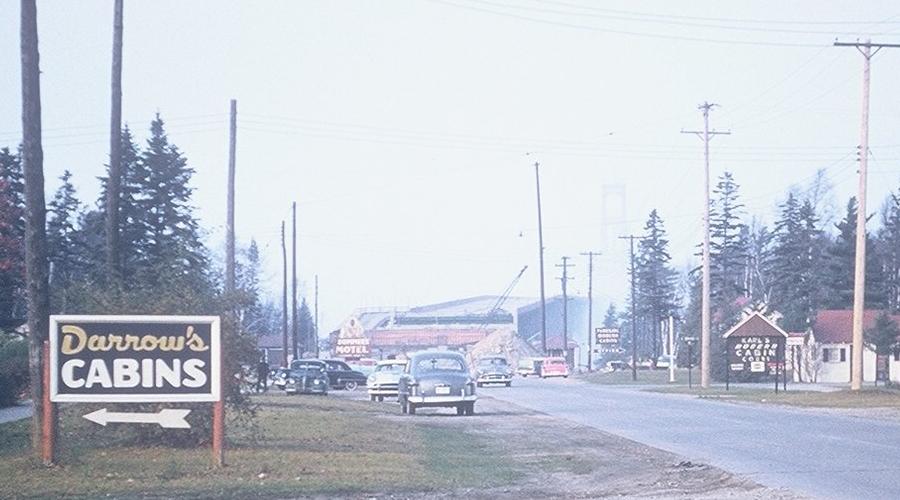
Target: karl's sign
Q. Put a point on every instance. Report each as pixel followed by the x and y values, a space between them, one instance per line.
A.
pixel 134 358
pixel 755 345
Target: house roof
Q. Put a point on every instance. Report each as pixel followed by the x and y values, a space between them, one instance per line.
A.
pixel 835 326
pixel 755 325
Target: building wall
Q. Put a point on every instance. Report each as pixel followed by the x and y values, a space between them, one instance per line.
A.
pixel 838 372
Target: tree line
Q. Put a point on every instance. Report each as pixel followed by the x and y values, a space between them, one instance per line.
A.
pixel 798 265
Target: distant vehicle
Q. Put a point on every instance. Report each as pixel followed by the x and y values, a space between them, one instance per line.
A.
pixel 554 367
pixel 341 376
pixel 613 366
pixel 306 376
pixel 384 380
pixel 663 362
pixel 645 364
pixel 437 379
pixel 493 370
pixel 528 366
pixel 278 376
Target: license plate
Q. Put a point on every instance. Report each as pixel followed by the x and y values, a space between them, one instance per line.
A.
pixel 442 390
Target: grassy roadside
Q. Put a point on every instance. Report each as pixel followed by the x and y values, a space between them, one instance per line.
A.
pixel 644 377
pixel 306 445
pixel 866 398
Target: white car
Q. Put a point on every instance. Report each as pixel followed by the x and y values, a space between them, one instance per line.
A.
pixel 383 381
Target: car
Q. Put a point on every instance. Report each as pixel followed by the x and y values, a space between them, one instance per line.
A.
pixel 528 366
pixel 437 379
pixel 306 376
pixel 554 367
pixel 613 366
pixel 278 376
pixel 341 376
pixel 493 370
pixel 384 379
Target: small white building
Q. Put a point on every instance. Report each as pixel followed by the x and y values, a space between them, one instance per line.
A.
pixel 828 350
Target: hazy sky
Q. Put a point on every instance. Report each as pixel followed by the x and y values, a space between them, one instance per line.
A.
pixel 402 128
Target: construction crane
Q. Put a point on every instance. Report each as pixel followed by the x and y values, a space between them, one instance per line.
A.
pixel 505 295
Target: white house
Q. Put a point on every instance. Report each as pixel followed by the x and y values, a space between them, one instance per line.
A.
pixel 828 350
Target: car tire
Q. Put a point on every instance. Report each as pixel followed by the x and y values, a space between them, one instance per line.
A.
pixel 470 409
pixel 373 398
pixel 478 384
pixel 509 384
pixel 350 385
pixel 412 409
pixel 460 410
pixel 380 398
pixel 565 376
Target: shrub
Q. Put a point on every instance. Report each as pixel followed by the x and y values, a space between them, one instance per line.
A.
pixel 13 368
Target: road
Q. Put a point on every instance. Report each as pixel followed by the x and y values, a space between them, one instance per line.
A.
pixel 816 454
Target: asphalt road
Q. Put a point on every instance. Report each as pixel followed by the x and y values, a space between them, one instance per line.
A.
pixel 816 454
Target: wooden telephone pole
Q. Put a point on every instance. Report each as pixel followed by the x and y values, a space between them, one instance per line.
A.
pixel 114 180
pixel 295 327
pixel 537 178
pixel 565 280
pixel 634 340
pixel 590 326
pixel 284 303
pixel 705 135
pixel 859 276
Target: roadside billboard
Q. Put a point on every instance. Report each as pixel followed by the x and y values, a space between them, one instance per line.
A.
pixel 606 339
pixel 131 359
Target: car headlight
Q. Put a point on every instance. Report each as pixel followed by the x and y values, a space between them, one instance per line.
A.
pixel 291 381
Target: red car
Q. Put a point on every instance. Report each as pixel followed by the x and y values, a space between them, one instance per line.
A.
pixel 554 367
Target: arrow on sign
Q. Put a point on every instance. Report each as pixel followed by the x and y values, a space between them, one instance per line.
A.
pixel 168 418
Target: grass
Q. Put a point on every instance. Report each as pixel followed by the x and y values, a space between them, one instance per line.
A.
pixel 866 398
pixel 307 445
pixel 644 377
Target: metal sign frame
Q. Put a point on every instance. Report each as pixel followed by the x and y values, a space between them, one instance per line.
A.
pixel 215 368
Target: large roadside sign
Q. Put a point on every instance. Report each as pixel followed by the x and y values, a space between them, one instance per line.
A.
pixel 132 359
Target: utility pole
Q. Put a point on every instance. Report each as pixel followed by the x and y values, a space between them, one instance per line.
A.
pixel 284 303
pixel 43 418
pixel 218 422
pixel 537 178
pixel 705 135
pixel 590 329
pixel 295 327
pixel 634 340
pixel 671 348
pixel 859 276
pixel 114 181
pixel 316 322
pixel 565 279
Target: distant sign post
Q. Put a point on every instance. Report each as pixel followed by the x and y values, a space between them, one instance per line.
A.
pixel 135 359
pixel 606 339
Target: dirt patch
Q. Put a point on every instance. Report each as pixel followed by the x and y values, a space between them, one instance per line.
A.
pixel 559 459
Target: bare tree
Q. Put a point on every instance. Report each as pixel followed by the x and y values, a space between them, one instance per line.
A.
pixel 113 185
pixel 36 265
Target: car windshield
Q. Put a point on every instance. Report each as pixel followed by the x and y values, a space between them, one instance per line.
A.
pixel 492 362
pixel 306 367
pixel 391 368
pixel 438 363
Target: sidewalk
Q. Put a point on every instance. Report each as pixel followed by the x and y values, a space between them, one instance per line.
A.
pixel 13 413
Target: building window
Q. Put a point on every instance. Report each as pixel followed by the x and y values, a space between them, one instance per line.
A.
pixel 834 355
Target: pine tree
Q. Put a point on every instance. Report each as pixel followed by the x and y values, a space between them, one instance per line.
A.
pixel 62 241
pixel 655 281
pixel 611 319
pixel 758 270
pixel 728 253
pixel 888 244
pixel 12 239
pixel 842 263
pixel 250 308
pixel 306 327
pixel 173 248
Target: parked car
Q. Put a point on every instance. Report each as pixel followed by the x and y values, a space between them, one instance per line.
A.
pixel 613 366
pixel 278 376
pixel 437 379
pixel 306 376
pixel 384 380
pixel 341 376
pixel 493 370
pixel 528 366
pixel 554 367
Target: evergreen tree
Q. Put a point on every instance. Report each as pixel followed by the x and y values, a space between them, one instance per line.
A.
pixel 12 239
pixel 250 310
pixel 728 253
pixel 611 319
pixel 842 264
pixel 758 270
pixel 888 244
pixel 306 328
pixel 655 281
pixel 61 241
pixel 797 264
pixel 173 247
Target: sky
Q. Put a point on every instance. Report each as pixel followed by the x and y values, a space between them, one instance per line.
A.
pixel 407 130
